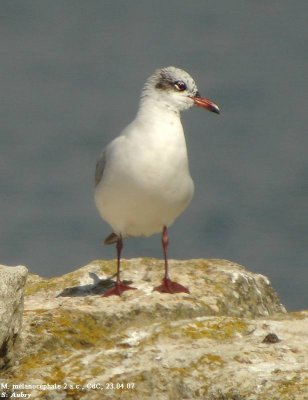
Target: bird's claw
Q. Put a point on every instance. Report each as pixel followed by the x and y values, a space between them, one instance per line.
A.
pixel 169 286
pixel 118 289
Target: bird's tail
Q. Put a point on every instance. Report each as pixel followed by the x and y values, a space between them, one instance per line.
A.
pixel 112 238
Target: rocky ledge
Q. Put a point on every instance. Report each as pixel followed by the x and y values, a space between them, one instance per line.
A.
pixel 229 339
pixel 12 283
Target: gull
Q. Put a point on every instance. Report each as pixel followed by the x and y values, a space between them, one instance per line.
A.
pixel 142 178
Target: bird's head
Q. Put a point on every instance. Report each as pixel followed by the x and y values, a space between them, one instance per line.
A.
pixel 174 88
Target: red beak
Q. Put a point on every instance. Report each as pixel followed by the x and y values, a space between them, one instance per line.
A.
pixel 206 103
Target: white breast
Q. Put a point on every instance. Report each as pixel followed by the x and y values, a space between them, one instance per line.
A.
pixel 146 182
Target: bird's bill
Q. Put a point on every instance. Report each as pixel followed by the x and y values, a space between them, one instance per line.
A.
pixel 206 103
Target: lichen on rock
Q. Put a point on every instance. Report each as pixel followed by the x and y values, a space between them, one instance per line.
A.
pixel 147 345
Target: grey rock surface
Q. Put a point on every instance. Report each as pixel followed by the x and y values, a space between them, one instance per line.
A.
pixel 213 343
pixel 12 285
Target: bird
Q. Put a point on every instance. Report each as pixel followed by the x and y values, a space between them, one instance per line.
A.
pixel 142 177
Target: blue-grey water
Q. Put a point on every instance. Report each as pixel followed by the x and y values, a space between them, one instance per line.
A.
pixel 71 75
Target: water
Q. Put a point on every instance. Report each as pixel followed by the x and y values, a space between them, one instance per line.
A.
pixel 71 75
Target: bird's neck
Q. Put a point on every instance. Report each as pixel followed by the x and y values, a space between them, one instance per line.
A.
pixel 152 109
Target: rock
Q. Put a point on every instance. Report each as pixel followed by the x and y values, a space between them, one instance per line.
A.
pixel 12 283
pixel 208 344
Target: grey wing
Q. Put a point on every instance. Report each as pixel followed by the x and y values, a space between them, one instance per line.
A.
pixel 100 166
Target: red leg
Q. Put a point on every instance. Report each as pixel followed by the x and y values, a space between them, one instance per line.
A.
pixel 168 286
pixel 119 286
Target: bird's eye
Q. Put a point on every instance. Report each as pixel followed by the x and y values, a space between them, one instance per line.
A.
pixel 180 86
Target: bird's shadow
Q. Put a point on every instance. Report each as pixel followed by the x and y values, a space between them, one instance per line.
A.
pixel 99 286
